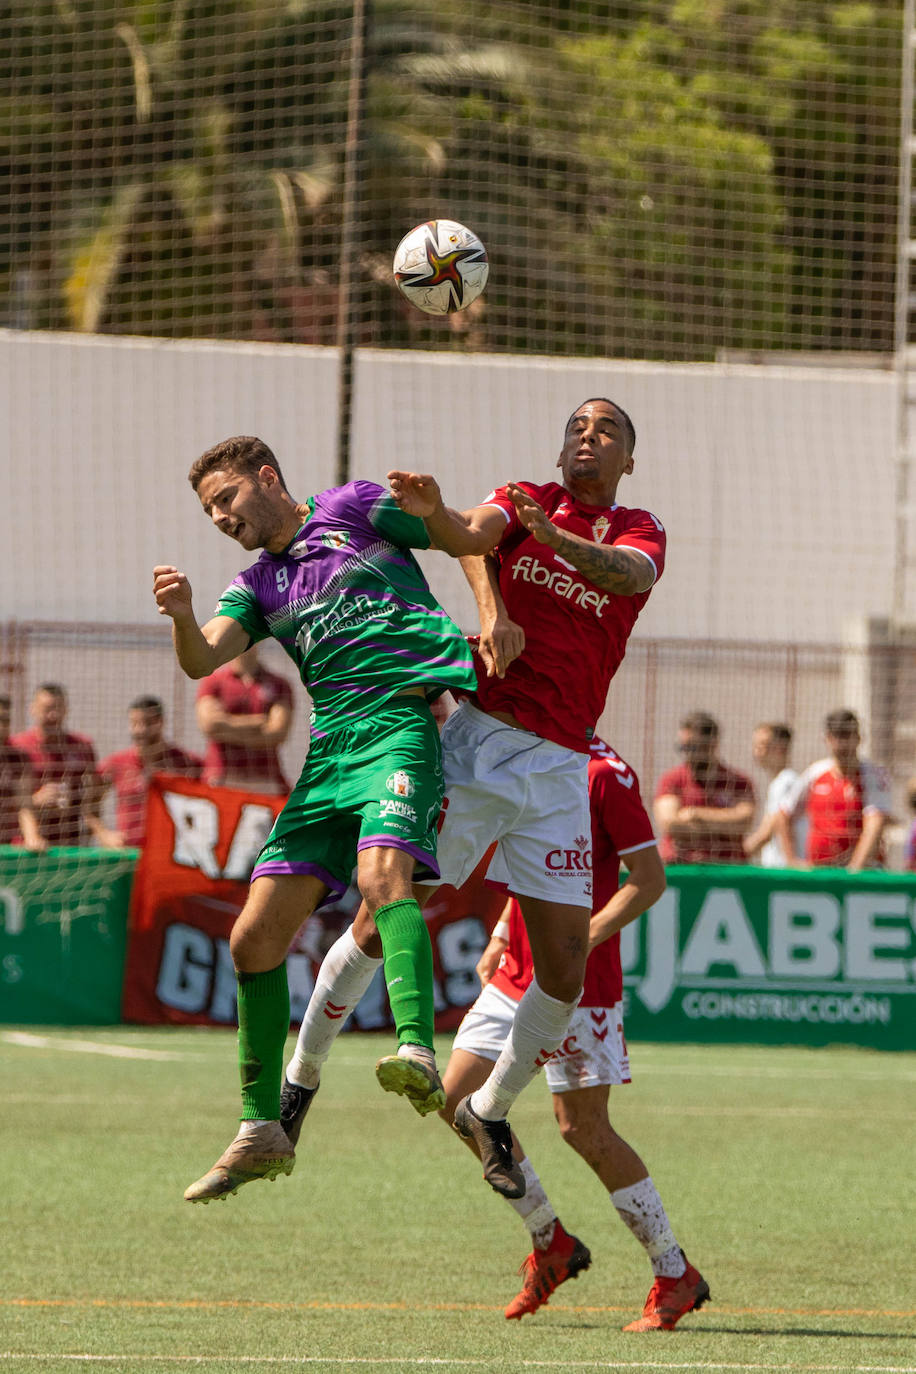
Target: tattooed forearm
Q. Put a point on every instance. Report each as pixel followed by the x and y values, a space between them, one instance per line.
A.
pixel 612 569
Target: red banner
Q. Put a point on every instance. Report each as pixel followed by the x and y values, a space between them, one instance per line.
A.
pixel 191 883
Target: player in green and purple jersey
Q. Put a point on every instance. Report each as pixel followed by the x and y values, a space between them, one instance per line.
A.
pixel 337 586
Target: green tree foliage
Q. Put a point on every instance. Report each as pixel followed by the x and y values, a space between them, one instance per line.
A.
pixel 659 178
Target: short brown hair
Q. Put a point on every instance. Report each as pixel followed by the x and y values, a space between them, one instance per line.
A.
pixel 701 723
pixel 842 722
pixel 243 454
pixel 780 732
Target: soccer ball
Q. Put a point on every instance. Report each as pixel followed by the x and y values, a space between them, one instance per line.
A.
pixel 441 266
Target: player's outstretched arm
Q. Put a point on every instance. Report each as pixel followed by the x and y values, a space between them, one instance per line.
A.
pixel 501 639
pixel 645 883
pixel 624 571
pixel 200 649
pixel 454 532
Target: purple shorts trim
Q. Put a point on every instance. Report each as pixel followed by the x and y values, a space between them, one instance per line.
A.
pixel 422 856
pixel 282 867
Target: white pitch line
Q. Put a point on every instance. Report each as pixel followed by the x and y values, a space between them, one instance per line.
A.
pixel 423 1362
pixel 28 1041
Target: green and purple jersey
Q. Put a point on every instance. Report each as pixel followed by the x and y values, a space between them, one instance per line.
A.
pixel 350 605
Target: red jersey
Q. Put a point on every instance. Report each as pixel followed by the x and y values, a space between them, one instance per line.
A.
pixel 724 787
pixel 575 633
pixel 125 772
pixel 835 806
pixel 241 698
pixel 14 769
pixel 70 762
pixel 620 826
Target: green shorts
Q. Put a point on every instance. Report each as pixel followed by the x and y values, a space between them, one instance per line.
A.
pixel 375 782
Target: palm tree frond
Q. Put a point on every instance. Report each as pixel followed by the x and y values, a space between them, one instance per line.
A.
pixel 96 261
pixel 143 88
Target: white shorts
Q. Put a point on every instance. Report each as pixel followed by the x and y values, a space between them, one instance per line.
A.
pixel 593 1054
pixel 526 792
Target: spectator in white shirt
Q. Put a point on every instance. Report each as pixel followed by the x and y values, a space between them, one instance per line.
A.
pixel 771 745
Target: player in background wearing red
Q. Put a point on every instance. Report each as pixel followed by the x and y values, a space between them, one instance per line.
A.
pixel 574 571
pixel 592 1057
pixel 847 802
pixel 129 771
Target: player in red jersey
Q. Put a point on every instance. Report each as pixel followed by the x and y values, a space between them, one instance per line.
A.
pixel 847 801
pixel 574 571
pixel 129 772
pixel 591 1057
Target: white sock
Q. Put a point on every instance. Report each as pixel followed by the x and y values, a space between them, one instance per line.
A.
pixel 539 1024
pixel 535 1208
pixel 421 1052
pixel 250 1124
pixel 344 976
pixel 642 1210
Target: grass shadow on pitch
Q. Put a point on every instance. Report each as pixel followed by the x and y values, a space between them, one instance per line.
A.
pixel 790 1331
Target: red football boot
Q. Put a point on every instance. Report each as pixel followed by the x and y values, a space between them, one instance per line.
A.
pixel 671 1299
pixel 545 1270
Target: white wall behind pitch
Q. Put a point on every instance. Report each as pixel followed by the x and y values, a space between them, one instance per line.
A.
pixel 99 434
pixel 775 484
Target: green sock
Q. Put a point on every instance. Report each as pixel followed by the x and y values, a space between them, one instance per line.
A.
pixel 408 955
pixel 263 1028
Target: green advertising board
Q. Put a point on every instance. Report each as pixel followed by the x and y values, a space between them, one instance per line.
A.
pixel 729 954
pixel 63 935
pixel 769 956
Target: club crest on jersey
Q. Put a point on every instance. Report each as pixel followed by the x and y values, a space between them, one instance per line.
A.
pixel 600 528
pixel 335 539
pixel 400 783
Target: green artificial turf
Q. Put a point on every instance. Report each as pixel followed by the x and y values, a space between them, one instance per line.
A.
pixel 787 1175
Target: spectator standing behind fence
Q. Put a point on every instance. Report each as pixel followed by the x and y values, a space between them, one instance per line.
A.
pixel 63 765
pixel 771 745
pixel 909 844
pixel 129 772
pixel 847 802
pixel 18 822
pixel 245 712
pixel 703 808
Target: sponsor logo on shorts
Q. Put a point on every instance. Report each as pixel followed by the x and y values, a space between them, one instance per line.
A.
pixel 400 783
pixel 566 1050
pixel 390 806
pixel 575 860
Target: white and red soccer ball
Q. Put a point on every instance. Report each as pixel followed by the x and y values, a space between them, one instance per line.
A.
pixel 441 266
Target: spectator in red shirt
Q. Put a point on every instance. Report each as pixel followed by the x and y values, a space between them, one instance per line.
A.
pixel 18 822
pixel 245 711
pixel 909 844
pixel 846 799
pixel 129 772
pixel 63 765
pixel 703 809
